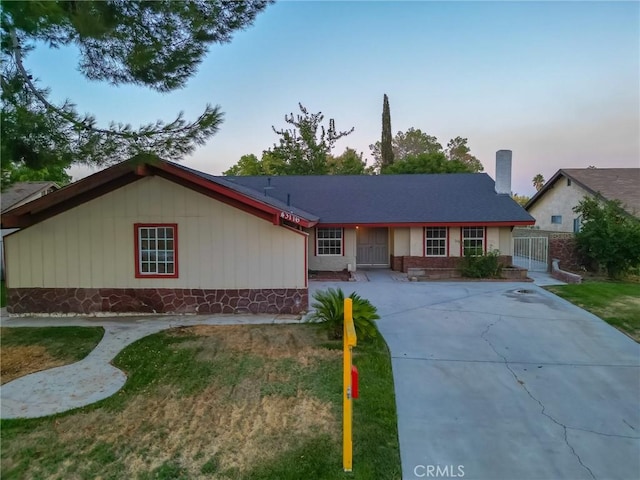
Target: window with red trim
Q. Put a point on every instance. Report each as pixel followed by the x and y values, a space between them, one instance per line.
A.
pixel 156 250
pixel 473 240
pixel 435 241
pixel 328 241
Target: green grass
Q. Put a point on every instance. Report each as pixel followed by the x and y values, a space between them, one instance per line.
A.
pixel 65 343
pixel 617 303
pixel 191 371
pixel 3 294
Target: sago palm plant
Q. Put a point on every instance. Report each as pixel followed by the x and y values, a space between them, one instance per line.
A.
pixel 329 309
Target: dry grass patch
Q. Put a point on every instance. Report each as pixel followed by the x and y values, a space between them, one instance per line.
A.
pixel 273 342
pixel 200 402
pixel 18 361
pixel 29 350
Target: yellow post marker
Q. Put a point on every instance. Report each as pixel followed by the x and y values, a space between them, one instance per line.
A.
pixel 349 340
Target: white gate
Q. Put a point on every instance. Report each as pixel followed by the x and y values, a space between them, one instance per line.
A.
pixel 531 253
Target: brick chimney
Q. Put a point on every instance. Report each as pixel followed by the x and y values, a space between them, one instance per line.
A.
pixel 503 172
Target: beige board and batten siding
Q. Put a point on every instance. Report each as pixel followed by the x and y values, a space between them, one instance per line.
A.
pixel 334 263
pixel 92 245
pixel 560 200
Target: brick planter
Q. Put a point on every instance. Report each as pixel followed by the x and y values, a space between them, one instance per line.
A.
pixel 514 273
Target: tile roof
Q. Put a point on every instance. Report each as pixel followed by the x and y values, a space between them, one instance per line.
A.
pixel 350 199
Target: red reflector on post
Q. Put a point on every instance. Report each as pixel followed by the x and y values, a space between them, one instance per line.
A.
pixel 354 381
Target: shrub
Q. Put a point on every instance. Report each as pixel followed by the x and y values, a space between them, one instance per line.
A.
pixel 329 309
pixel 609 237
pixel 481 266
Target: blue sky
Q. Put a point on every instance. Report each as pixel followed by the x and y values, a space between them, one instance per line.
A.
pixel 556 82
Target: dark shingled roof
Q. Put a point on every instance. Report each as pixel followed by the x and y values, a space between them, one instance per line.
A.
pixel 386 199
pixel 250 192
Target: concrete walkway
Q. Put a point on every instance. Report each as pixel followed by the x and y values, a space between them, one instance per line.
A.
pixel 94 378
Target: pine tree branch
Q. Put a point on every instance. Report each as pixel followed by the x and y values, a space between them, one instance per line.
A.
pixel 17 55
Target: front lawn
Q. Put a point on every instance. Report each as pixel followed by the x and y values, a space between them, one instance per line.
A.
pixel 26 350
pixel 617 303
pixel 225 402
pixel 3 294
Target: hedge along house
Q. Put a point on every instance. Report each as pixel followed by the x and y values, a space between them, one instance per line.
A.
pixel 160 237
pixel 402 221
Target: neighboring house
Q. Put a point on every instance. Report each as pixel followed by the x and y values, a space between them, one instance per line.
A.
pixel 162 237
pixel 16 195
pixel 24 192
pixel 553 205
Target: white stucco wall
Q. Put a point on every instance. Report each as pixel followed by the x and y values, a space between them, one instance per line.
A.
pixel 558 200
pixel 92 245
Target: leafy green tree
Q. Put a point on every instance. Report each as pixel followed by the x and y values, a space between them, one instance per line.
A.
pixel 538 182
pixel 303 148
pixel 250 165
pixel 457 149
pixel 412 142
pixel 349 163
pixel 18 172
pixel 155 44
pixel 609 237
pixel 386 142
pixel 427 163
pixel 247 165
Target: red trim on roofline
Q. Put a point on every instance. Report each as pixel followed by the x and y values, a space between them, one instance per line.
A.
pixel 426 224
pixel 210 185
pixel 124 173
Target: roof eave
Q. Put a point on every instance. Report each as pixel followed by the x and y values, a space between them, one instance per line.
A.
pixel 127 172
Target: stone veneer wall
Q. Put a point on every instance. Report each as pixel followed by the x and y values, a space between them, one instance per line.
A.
pixel 403 264
pixel 156 300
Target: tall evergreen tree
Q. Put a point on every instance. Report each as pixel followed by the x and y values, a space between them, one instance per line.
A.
pixel 387 138
pixel 154 44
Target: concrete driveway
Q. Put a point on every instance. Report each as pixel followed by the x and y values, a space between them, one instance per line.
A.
pixel 492 383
